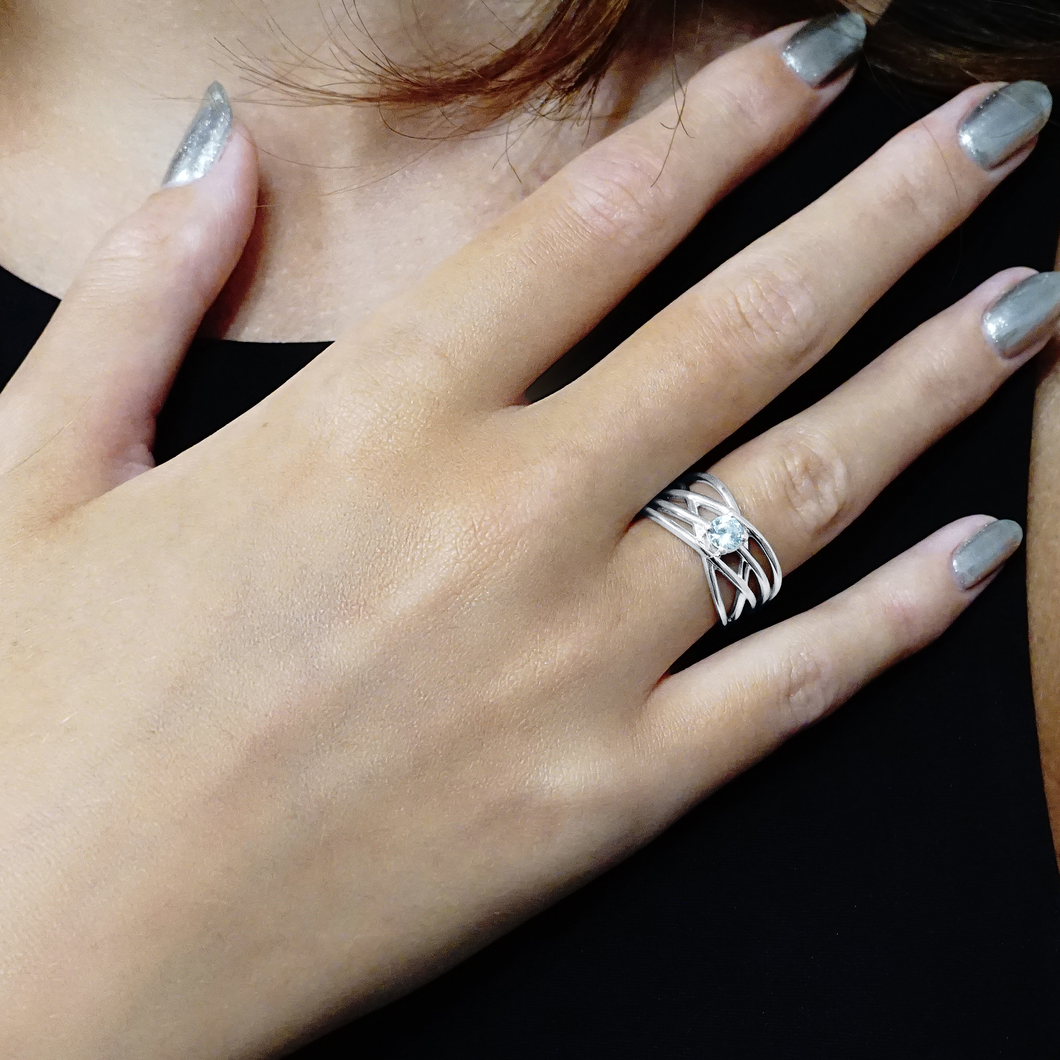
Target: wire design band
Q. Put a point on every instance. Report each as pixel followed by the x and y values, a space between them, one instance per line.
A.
pixel 723 532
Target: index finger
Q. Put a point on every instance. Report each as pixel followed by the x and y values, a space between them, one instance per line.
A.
pixel 517 297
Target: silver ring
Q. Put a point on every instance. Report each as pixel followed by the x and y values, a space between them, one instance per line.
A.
pixel 724 532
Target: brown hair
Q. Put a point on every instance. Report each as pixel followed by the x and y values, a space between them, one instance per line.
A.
pixel 559 56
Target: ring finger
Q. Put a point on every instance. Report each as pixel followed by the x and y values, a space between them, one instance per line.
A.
pixel 805 480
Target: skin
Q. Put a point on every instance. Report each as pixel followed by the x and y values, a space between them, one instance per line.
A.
pixel 359 708
pixel 355 206
pixel 1043 572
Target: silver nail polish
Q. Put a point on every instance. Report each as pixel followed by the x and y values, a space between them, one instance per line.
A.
pixel 1024 315
pixel 204 142
pixel 984 552
pixel 825 47
pixel 1006 121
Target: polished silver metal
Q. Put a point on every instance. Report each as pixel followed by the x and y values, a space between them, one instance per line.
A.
pixel 679 509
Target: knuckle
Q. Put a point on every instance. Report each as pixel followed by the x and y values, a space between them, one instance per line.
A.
pixel 140 238
pixel 813 678
pixel 618 195
pixel 771 309
pixel 808 689
pixel 145 243
pixel 812 476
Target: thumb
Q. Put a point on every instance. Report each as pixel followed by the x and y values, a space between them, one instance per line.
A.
pixel 82 408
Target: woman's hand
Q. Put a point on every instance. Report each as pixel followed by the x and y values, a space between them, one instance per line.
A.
pixel 314 710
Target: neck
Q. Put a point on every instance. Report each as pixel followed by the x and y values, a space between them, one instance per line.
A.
pixel 94 99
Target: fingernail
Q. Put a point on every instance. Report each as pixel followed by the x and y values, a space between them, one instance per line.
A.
pixel 984 552
pixel 1004 122
pixel 825 47
pixel 1024 315
pixel 204 142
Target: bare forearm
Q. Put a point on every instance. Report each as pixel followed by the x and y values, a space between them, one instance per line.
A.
pixel 1043 578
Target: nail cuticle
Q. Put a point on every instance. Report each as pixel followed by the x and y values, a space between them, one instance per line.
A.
pixel 985 552
pixel 1005 122
pixel 825 48
pixel 205 141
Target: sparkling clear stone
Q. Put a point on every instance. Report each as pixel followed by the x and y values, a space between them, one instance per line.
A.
pixel 724 535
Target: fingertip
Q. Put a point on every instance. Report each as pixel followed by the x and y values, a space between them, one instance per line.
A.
pixel 983 552
pixel 788 61
pixel 951 536
pixel 235 180
pixel 238 164
pixel 957 562
pixel 823 49
pixel 1023 317
pixel 216 148
pixel 991 289
pixel 803 60
pixel 1003 127
pixel 231 178
pixel 908 602
pixel 200 228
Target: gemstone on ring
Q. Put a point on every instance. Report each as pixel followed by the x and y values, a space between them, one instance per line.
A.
pixel 723 535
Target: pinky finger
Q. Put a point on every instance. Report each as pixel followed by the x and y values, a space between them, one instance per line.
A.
pixel 711 721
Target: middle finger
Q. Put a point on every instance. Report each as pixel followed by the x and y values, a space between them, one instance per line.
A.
pixel 722 351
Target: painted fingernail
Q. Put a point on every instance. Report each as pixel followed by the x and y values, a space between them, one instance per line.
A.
pixel 825 48
pixel 1024 315
pixel 204 142
pixel 984 552
pixel 1006 121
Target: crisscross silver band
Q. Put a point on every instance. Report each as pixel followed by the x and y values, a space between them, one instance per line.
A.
pixel 722 532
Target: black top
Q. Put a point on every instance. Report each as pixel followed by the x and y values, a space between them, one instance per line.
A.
pixel 884 885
